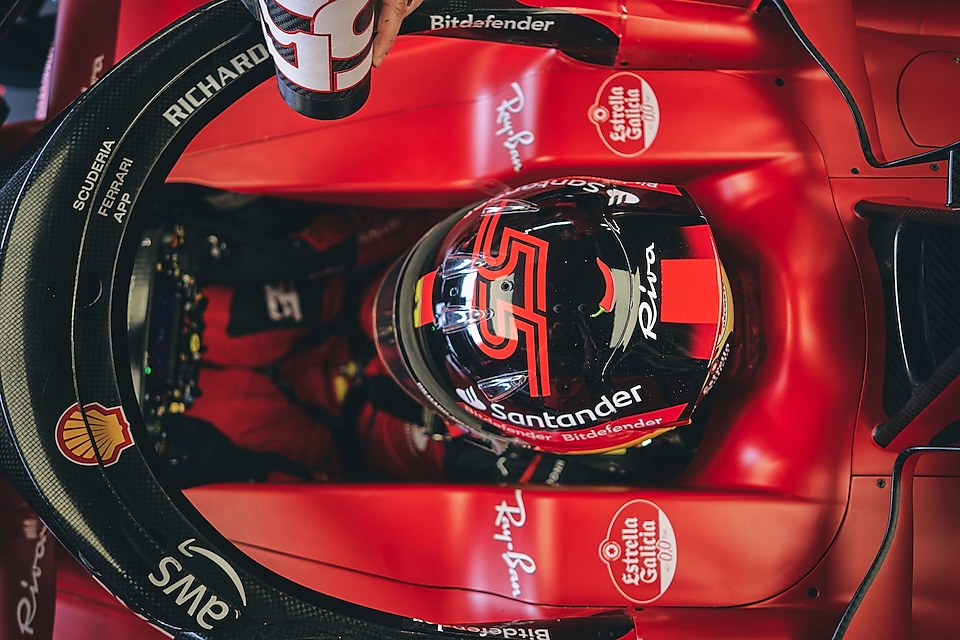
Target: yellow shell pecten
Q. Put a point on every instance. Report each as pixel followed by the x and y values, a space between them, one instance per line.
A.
pixel 109 429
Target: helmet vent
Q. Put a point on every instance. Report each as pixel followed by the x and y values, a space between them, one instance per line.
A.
pixel 507 205
pixel 503 385
pixel 454 318
pixel 459 264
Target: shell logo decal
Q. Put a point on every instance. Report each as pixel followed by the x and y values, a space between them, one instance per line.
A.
pixel 109 428
pixel 626 114
pixel 640 551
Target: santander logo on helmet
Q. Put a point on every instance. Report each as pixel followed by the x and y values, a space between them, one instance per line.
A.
pixel 574 315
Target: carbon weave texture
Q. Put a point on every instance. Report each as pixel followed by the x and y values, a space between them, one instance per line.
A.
pixel 941 291
pixel 118 519
pixel 37 354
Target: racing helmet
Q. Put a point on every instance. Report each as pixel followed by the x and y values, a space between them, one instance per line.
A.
pixel 576 315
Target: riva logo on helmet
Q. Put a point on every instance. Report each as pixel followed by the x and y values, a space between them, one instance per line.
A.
pixel 647 313
pixel 187 591
pixel 640 551
pixel 512 282
pixel 213 83
pixel 109 434
pixel 646 289
pixel 317 39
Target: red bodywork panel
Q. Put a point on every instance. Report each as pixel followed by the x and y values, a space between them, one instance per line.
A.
pixel 783 510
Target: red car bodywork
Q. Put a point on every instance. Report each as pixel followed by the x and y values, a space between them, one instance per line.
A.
pixel 783 510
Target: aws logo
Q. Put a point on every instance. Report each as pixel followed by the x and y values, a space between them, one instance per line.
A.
pixel 187 591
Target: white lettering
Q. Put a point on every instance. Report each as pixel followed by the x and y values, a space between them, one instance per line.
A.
pixel 209 86
pixel 527 23
pixel 588 187
pixel 555 472
pixel 535 633
pixel 95 68
pixel 640 561
pixel 583 417
pixel 647 313
pixel 110 198
pixel 200 602
pixel 93 175
pixel 282 303
pixel 123 207
pixel 164 577
pixel 514 139
pixel 27 605
pixel 511 517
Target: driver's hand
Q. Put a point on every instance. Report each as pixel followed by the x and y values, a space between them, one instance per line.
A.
pixel 392 13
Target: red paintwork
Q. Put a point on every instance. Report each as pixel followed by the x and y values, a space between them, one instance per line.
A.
pixel 84 49
pixel 781 514
pixel 86 611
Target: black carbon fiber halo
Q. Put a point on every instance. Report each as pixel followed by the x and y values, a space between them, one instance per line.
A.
pixel 73 206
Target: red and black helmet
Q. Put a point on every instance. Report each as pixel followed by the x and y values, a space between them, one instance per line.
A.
pixel 575 315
